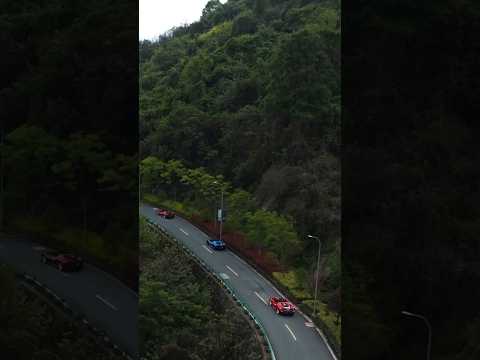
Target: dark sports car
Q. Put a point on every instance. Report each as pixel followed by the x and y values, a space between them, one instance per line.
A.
pixel 167 214
pixel 216 244
pixel 63 262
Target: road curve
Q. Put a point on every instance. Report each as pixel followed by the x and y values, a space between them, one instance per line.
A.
pixel 291 338
pixel 106 302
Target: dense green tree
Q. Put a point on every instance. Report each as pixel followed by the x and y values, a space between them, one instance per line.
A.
pixel 183 312
pixel 252 92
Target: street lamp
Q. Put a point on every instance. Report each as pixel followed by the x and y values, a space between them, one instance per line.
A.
pixel 429 345
pixel 221 209
pixel 318 271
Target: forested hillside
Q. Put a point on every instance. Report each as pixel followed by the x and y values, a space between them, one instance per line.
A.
pixel 251 92
pixel 68 157
pixel 184 314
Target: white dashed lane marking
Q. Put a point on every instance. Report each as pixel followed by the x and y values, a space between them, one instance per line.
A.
pixel 233 271
pixel 110 305
pixel 291 332
pixel 261 298
pixel 183 231
pixel 206 248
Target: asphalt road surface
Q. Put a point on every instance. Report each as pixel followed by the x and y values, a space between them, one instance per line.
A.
pixel 291 337
pixel 107 303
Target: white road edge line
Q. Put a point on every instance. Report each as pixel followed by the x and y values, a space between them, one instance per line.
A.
pixel 261 298
pixel 326 342
pixel 291 332
pixel 183 231
pixel 206 248
pixel 112 278
pixel 106 302
pixel 332 353
pixel 233 271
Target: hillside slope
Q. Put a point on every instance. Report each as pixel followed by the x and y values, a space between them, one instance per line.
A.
pixel 252 92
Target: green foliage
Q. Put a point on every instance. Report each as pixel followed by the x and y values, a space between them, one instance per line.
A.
pixel 254 95
pixel 331 319
pixel 269 230
pixel 293 283
pixel 263 228
pixel 244 24
pixel 182 311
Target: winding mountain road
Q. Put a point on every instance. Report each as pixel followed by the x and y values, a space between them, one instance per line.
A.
pixel 106 302
pixel 292 338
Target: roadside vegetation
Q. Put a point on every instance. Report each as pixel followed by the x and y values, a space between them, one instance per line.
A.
pixel 265 237
pixel 184 314
pixel 33 329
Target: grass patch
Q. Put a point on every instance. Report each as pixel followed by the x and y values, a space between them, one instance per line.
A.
pixel 292 281
pixel 329 318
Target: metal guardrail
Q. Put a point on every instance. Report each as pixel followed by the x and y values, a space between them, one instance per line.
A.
pixel 267 344
pixel 107 342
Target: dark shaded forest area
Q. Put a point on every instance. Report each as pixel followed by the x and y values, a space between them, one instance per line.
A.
pixel 32 328
pixel 69 145
pixel 411 175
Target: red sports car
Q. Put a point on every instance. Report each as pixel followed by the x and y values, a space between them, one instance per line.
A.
pixel 63 262
pixel 167 214
pixel 282 306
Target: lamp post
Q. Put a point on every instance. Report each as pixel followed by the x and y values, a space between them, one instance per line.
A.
pixel 221 209
pixel 318 271
pixel 429 327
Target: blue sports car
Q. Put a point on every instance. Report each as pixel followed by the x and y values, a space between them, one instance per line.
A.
pixel 216 244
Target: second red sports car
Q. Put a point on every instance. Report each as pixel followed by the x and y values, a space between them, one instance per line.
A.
pixel 63 262
pixel 282 306
pixel 167 214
